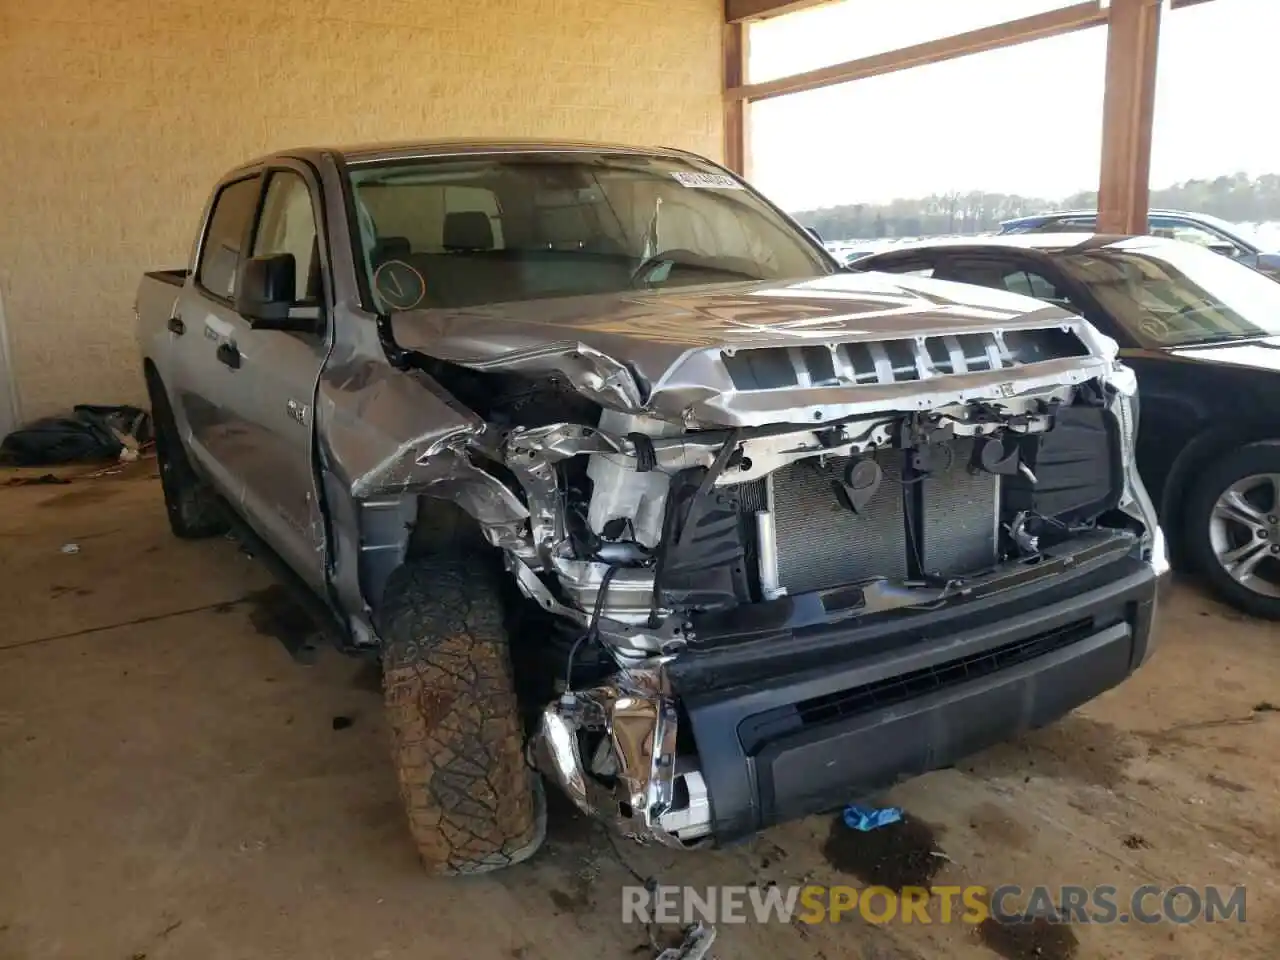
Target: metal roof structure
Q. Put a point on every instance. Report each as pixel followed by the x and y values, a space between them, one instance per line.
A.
pixel 1133 29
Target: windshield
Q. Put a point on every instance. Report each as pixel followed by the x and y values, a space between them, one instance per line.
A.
pixel 1178 293
pixel 464 232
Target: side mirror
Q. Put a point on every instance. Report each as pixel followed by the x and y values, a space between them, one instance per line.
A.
pixel 813 232
pixel 265 294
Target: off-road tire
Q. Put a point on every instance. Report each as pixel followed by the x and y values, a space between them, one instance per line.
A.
pixel 474 805
pixel 1252 459
pixel 194 509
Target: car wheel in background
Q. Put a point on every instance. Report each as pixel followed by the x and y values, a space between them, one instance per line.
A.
pixel 1233 528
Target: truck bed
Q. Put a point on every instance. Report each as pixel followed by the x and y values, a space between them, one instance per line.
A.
pixel 174 278
pixel 157 301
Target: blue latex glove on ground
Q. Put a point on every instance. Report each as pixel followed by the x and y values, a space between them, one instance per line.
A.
pixel 870 818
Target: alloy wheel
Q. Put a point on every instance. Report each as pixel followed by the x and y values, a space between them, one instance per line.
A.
pixel 1244 532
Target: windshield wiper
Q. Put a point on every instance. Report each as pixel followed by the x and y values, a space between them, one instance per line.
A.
pixel 654 270
pixel 1222 339
pixel 712 268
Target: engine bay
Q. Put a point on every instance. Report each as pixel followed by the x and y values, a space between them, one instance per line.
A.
pixel 639 527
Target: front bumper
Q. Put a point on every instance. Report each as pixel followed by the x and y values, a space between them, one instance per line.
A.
pixel 907 698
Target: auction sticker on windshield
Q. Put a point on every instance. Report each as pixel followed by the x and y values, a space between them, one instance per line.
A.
pixel 707 181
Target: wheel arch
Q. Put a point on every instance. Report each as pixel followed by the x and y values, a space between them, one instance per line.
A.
pixel 155 384
pixel 151 373
pixel 1210 443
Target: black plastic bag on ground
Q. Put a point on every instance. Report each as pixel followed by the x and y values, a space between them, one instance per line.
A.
pixel 90 433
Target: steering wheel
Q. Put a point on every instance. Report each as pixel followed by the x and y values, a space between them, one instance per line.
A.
pixel 1156 328
pixel 651 263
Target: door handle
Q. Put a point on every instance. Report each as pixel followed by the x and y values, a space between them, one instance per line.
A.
pixel 228 354
pixel 177 326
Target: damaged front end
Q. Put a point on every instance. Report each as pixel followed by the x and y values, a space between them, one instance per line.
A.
pixel 983 472
pixel 633 775
pixel 756 492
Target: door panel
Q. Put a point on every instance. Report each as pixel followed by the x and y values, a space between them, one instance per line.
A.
pixel 269 394
pixel 204 318
pixel 267 441
pixel 204 388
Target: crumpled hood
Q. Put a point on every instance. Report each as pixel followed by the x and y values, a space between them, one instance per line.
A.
pixel 736 314
pixel 637 350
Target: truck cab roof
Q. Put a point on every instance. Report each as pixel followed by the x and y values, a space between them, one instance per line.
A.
pixel 362 153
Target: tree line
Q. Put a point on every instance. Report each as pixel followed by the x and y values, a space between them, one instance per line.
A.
pixel 1238 198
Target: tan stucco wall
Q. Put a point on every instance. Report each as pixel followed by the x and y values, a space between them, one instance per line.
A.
pixel 117 116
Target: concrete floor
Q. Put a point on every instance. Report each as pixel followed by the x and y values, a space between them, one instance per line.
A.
pixel 172 785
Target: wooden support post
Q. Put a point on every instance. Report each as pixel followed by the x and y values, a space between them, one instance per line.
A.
pixel 737 112
pixel 1133 34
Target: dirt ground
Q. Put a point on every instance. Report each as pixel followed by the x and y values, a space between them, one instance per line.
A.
pixel 173 785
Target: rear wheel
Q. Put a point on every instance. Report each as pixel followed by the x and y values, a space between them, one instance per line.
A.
pixel 474 805
pixel 1233 528
pixel 194 509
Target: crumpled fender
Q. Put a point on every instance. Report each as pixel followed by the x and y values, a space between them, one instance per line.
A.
pixel 378 445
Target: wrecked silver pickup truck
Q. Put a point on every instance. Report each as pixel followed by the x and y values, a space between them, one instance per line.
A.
pixel 632 490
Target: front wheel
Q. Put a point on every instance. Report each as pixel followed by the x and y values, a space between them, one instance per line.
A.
pixel 474 805
pixel 1233 528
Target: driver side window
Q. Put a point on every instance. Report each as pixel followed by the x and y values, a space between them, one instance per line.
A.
pixel 1187 232
pixel 288 225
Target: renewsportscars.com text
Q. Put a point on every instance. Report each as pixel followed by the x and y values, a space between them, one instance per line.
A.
pixel 972 904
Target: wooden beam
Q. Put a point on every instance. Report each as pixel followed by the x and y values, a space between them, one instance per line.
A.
pixel 739 11
pixel 1128 109
pixel 737 135
pixel 1065 20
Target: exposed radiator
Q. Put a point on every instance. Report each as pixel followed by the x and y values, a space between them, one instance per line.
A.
pixel 961 517
pixel 821 543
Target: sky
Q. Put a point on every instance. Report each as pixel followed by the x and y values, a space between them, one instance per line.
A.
pixel 1025 119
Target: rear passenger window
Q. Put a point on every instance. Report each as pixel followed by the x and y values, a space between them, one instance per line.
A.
pixel 906 268
pixel 1030 285
pixel 233 209
pixel 433 218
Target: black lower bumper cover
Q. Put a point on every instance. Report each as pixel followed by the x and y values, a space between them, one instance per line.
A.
pixel 808 743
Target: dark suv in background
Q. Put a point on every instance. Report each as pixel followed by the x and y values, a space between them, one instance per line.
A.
pixel 1198 228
